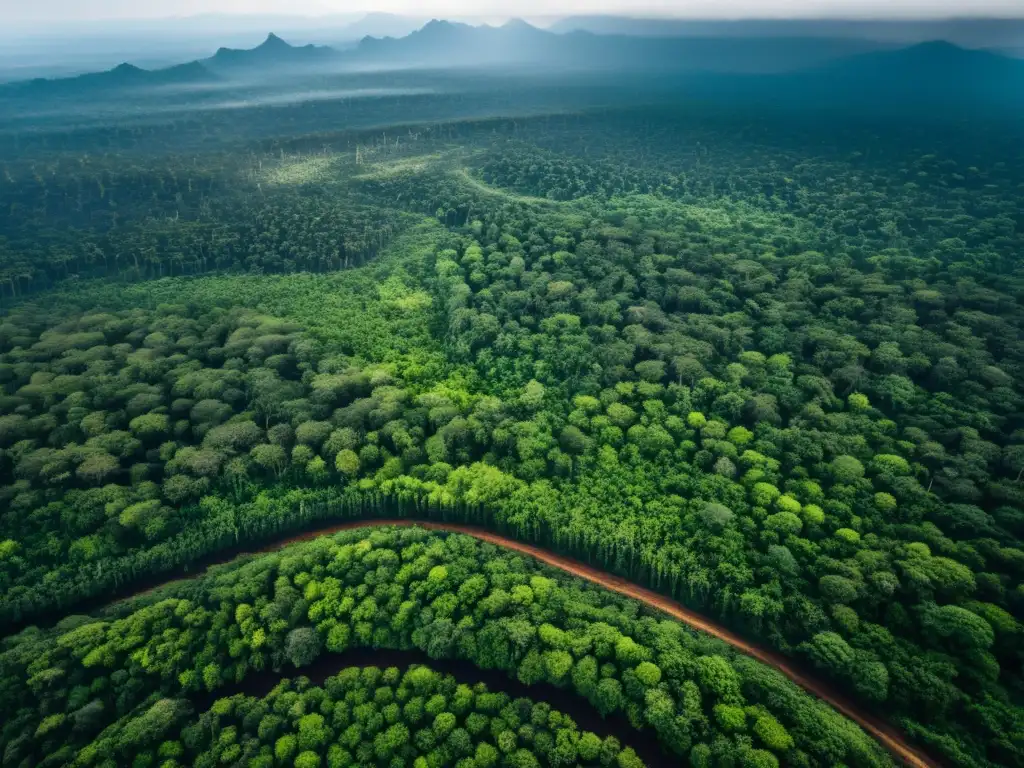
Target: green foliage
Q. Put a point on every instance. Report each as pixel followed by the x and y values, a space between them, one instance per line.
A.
pixel 281 610
pixel 234 728
pixel 775 375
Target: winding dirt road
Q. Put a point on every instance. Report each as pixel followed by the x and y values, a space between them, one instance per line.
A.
pixel 887 735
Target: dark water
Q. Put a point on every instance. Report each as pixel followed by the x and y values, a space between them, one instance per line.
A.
pixel 644 742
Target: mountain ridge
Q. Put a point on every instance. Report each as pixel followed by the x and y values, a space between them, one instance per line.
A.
pixel 446 43
pixel 124 75
pixel 272 50
pixel 966 31
pixel 938 69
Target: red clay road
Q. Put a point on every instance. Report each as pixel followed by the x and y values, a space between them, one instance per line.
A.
pixel 886 734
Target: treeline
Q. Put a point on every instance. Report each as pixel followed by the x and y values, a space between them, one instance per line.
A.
pixel 450 596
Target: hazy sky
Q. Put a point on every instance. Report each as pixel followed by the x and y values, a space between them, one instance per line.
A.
pixel 69 10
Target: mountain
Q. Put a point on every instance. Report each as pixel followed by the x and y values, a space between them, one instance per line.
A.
pixel 831 70
pixel 924 80
pixel 933 60
pixel 965 32
pixel 794 71
pixel 447 43
pixel 123 76
pixel 379 24
pixel 641 26
pixel 932 72
pixel 444 43
pixel 271 52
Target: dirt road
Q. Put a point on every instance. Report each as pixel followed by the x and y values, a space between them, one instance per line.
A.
pixel 886 734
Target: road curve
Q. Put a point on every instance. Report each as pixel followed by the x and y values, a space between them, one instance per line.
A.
pixel 888 736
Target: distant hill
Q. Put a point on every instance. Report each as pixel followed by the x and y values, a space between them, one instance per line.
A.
pixel 381 25
pixel 923 79
pixel 226 62
pixel 933 60
pixel 447 43
pixel 120 77
pixel 797 71
pixel 272 51
pixel 642 26
pixel 991 33
pixel 932 72
pixel 444 43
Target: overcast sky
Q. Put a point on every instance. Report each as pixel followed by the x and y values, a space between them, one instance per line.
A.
pixel 68 10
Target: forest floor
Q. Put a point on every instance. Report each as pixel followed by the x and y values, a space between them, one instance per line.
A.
pixel 885 734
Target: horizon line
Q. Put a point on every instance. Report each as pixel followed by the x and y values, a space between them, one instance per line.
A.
pixel 896 16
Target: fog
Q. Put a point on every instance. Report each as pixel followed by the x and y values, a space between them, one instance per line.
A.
pixel 67 10
pixel 299 97
pixel 166 100
pixel 58 38
pixel 239 67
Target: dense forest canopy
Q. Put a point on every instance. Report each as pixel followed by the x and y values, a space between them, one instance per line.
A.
pixel 93 679
pixel 374 715
pixel 765 361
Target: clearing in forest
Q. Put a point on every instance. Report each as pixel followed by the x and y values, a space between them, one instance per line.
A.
pixel 463 175
pixel 302 170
